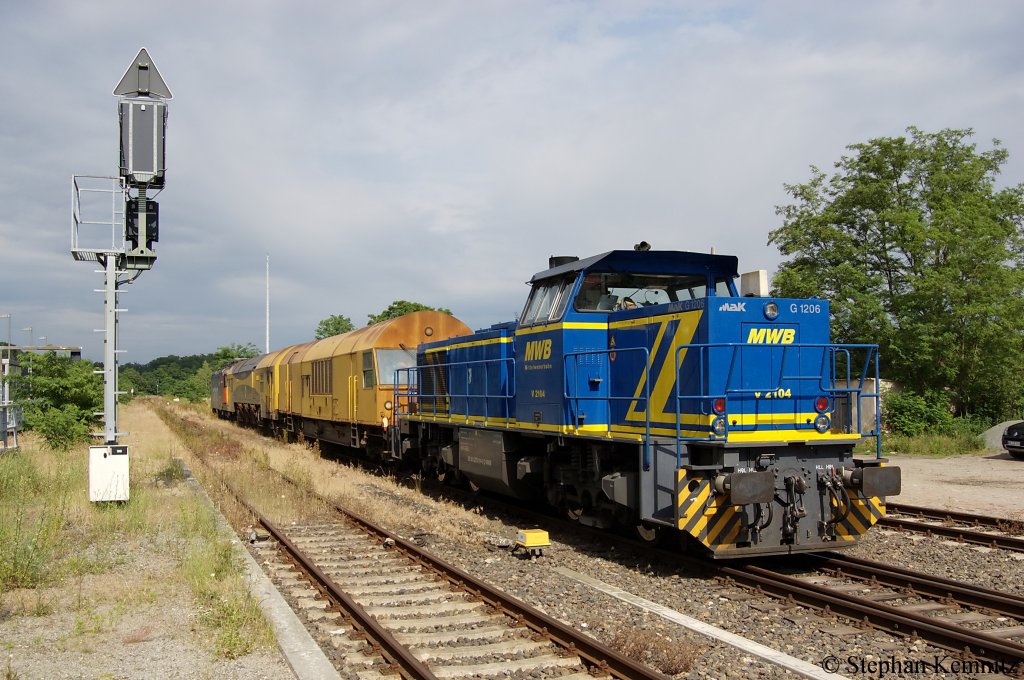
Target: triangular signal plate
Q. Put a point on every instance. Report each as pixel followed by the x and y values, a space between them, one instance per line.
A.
pixel 142 78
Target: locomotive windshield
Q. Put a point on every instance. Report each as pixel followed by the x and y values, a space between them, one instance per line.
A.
pixel 389 361
pixel 547 301
pixel 608 291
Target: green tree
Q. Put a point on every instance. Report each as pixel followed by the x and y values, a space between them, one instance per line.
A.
pixel 59 397
pixel 920 252
pixel 335 324
pixel 225 355
pixel 401 308
pixel 197 387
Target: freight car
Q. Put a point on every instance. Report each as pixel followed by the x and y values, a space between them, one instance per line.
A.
pixel 338 389
pixel 637 389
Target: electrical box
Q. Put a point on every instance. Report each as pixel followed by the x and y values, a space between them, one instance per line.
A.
pixel 108 473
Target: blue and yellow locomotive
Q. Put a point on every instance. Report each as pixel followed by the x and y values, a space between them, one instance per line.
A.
pixel 639 388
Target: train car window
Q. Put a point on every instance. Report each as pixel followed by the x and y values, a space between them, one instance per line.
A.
pixel 391 360
pixel 563 299
pixel 606 292
pixel 542 301
pixel 369 376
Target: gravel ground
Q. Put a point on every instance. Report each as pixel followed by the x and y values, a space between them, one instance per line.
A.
pixel 173 652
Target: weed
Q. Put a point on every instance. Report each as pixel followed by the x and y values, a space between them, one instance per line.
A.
pixel 9 672
pixel 934 445
pixel 34 506
pixel 214 574
pixel 1010 526
pixel 170 474
pixel 93 622
pixel 666 655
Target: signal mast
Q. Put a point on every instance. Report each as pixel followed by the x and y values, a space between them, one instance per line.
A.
pixel 131 222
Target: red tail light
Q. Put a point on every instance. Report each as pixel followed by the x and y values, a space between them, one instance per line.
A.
pixel 719 405
pixel 821 404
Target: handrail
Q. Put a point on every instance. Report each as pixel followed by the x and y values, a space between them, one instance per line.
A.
pixel 826 377
pixel 839 362
pixel 413 383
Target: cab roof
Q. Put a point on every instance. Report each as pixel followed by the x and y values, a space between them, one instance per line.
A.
pixel 649 262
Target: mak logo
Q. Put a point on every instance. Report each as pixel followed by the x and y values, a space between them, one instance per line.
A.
pixel 733 307
pixel 538 350
pixel 771 336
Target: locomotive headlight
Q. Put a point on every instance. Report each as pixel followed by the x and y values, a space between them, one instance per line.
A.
pixel 718 426
pixel 771 310
pixel 822 423
pixel 388 404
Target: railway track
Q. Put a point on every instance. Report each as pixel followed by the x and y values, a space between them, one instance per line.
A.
pixel 962 618
pixel 385 606
pixel 991 532
pixel 974 622
pixel 977 622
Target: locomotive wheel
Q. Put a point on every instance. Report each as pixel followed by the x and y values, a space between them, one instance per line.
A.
pixel 473 486
pixel 573 510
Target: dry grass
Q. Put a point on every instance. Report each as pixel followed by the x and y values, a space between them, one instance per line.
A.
pixel 379 499
pixel 664 654
pixel 1011 526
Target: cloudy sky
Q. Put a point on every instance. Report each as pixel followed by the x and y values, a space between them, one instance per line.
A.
pixel 441 151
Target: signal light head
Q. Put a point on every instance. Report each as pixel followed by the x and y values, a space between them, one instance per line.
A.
pixel 821 404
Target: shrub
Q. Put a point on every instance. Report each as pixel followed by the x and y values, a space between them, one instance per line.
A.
pixel 62 427
pixel 910 414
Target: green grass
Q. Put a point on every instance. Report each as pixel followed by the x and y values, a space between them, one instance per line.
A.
pixel 51 535
pixel 215 574
pixel 934 445
pixel 927 445
pixel 34 507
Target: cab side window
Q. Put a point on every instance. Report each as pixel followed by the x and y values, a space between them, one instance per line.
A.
pixel 369 375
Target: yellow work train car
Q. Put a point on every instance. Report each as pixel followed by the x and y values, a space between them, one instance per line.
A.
pixel 338 389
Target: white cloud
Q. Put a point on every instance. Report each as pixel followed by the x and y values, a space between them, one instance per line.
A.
pixel 441 152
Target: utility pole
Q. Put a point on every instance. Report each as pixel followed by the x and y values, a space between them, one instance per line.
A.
pixel 132 226
pixel 267 337
pixel 8 412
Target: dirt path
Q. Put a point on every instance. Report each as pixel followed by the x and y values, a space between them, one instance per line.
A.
pixel 988 484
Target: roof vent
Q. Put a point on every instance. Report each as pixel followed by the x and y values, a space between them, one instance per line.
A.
pixel 559 260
